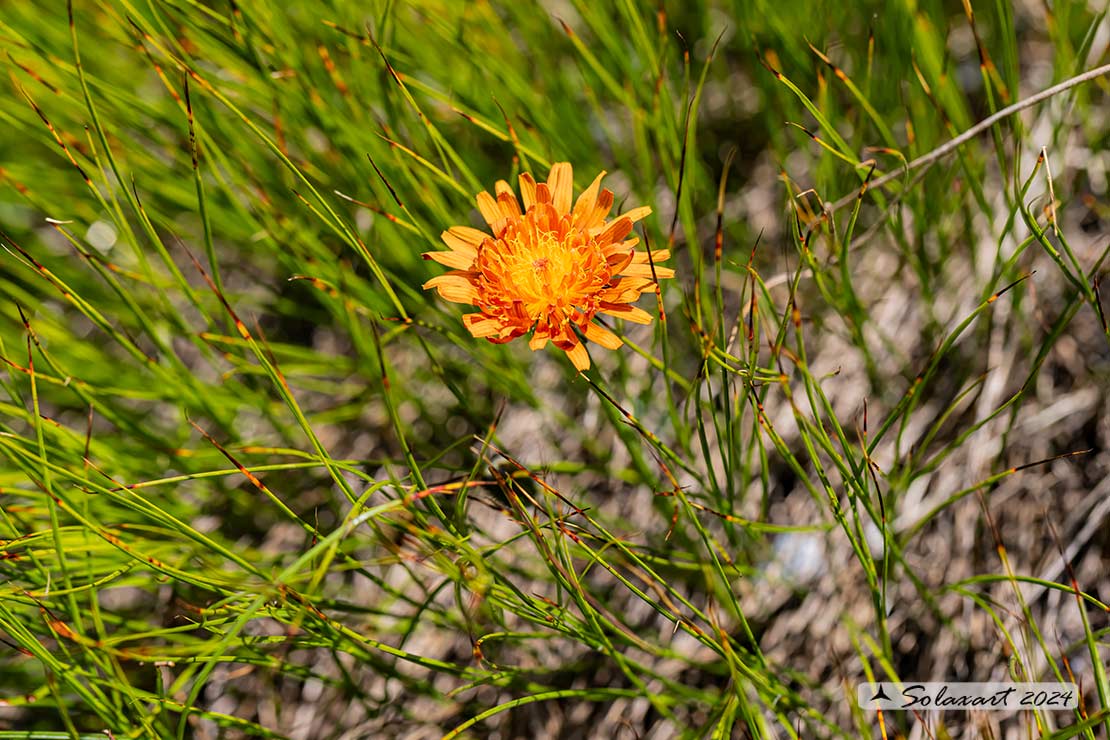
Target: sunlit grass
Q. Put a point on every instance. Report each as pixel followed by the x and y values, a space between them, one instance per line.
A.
pixel 257 482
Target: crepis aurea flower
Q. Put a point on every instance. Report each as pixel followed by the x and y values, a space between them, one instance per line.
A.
pixel 550 268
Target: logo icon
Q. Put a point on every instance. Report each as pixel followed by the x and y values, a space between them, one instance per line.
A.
pixel 880 695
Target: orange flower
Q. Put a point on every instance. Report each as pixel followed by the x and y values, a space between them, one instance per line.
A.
pixel 549 269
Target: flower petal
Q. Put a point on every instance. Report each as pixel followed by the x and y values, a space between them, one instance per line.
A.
pixel 538 341
pixel 545 216
pixel 543 193
pixel 584 206
pixel 458 260
pixel 527 189
pixel 579 356
pixel 510 209
pixel 622 246
pixel 626 290
pixel 619 261
pixel 488 206
pixel 480 325
pixel 561 183
pixel 637 213
pixel 464 238
pixel 454 286
pixel 596 218
pixel 645 270
pixel 659 255
pixel 603 336
pixel 615 230
pixel 626 312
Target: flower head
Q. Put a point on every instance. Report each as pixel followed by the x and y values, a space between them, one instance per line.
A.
pixel 550 268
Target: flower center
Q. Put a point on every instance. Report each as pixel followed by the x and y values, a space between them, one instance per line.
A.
pixel 544 266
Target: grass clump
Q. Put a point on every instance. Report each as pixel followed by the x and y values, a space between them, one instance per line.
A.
pixel 256 482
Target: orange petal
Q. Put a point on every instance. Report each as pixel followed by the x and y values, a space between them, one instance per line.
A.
pixel 621 247
pixel 659 255
pixel 455 287
pixel 601 209
pixel 464 239
pixel 538 341
pixel 509 207
pixel 626 312
pixel 543 193
pixel 579 356
pixel 626 290
pixel 584 206
pixel 458 260
pixel 624 246
pixel 638 213
pixel 488 206
pixel 545 215
pixel 602 336
pixel 562 336
pixel 618 262
pixel 645 270
pixel 615 231
pixel 507 338
pixel 527 189
pixel 480 325
pixel 561 182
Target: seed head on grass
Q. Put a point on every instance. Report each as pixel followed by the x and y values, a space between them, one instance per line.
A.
pixel 549 269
